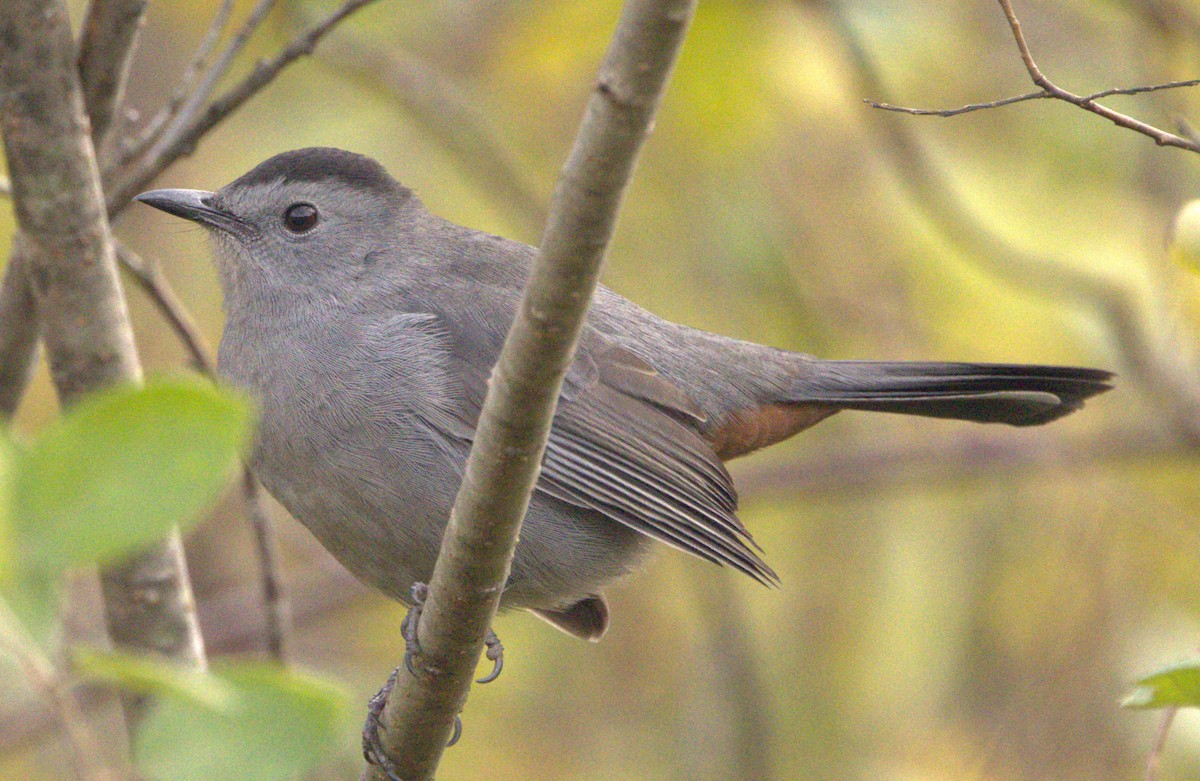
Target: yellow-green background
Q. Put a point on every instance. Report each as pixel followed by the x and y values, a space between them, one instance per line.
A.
pixel 972 616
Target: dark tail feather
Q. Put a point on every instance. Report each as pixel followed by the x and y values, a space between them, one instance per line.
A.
pixel 983 392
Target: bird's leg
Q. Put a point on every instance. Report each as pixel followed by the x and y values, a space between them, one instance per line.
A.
pixel 408 627
pixel 412 646
pixel 372 747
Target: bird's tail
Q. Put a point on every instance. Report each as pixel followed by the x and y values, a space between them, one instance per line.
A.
pixel 1016 394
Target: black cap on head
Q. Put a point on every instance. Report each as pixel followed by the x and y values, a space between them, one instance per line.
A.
pixel 322 164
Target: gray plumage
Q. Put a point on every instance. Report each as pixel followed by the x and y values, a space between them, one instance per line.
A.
pixel 368 337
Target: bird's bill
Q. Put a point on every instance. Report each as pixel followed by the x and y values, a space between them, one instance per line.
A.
pixel 194 205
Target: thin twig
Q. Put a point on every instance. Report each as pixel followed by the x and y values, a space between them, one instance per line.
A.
pixel 275 601
pixel 208 84
pixel 1051 90
pixel 185 134
pixel 133 148
pixel 1161 137
pixel 953 112
pixel 106 46
pixel 47 680
pixel 149 277
pixel 1160 742
pixel 1038 95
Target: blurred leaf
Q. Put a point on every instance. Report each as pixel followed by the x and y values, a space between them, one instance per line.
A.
pixel 277 724
pixel 123 466
pixel 1174 686
pixel 34 602
pixel 1185 237
pixel 148 675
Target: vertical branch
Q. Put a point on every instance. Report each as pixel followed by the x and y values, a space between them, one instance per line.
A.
pixel 18 333
pixel 513 428
pixel 67 253
pixel 105 50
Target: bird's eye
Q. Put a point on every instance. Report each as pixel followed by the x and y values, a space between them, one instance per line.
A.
pixel 300 218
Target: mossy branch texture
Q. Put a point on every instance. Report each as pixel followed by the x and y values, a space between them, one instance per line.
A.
pixel 511 436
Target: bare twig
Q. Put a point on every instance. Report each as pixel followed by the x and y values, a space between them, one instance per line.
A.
pixel 1049 89
pixel 1161 366
pixel 1160 742
pixel 953 112
pixel 105 50
pixel 45 678
pixel 275 602
pixel 1161 137
pixel 200 94
pixel 1040 94
pixel 150 278
pixel 184 134
pixel 450 117
pixel 134 148
pixel 513 428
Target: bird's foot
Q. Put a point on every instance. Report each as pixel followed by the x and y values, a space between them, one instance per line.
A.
pixel 412 646
pixel 372 744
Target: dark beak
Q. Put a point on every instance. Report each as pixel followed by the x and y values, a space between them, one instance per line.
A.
pixel 197 206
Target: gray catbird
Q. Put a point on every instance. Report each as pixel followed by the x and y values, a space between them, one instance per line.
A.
pixel 367 327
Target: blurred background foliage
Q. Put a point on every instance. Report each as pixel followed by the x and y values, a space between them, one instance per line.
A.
pixel 957 601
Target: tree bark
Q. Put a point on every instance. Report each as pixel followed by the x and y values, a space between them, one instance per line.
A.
pixel 67 256
pixel 511 435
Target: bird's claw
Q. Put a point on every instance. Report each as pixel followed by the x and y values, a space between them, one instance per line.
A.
pixel 408 627
pixel 495 652
pixel 372 746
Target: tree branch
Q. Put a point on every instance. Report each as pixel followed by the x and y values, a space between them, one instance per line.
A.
pixel 1038 95
pixel 1152 357
pixel 18 332
pixel 105 51
pixel 515 423
pixel 185 132
pixel 1049 89
pixel 148 275
pixel 133 148
pixel 68 255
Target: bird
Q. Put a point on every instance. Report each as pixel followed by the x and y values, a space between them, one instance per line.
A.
pixel 366 327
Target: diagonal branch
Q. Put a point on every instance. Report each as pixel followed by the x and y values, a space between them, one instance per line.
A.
pixel 1038 95
pixel 136 147
pixel 513 428
pixel 183 135
pixel 1161 137
pixel 1049 89
pixel 1150 356
pixel 106 46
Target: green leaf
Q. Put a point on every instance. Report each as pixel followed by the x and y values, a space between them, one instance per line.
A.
pixel 1174 686
pixel 149 675
pixel 277 723
pixel 123 466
